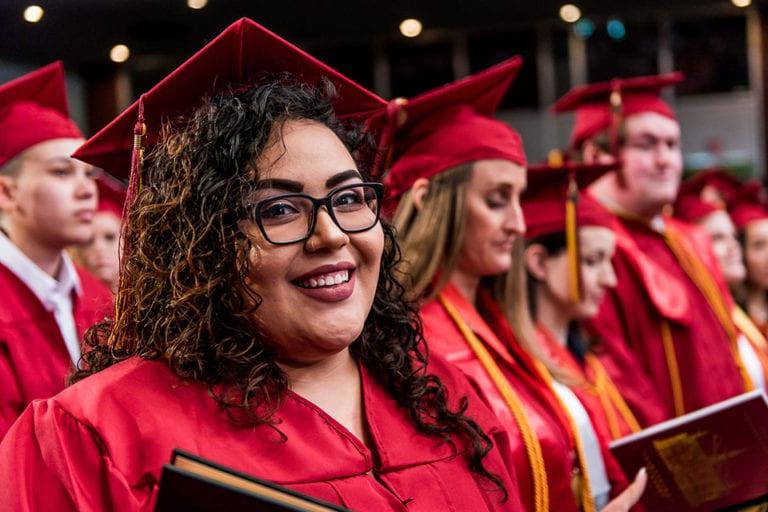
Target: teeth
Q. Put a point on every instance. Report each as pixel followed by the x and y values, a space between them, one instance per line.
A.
pixel 326 280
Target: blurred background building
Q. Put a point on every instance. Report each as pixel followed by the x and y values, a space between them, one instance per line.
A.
pixel 115 49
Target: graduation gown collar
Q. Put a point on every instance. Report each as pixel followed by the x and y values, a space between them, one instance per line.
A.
pixel 476 322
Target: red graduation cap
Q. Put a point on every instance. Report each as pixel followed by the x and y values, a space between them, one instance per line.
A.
pixel 706 192
pixel 448 126
pixel 749 205
pixel 112 195
pixel 34 109
pixel 237 56
pixel 603 105
pixel 552 204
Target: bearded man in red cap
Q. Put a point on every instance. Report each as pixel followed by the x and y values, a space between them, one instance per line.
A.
pixel 669 338
pixel 47 202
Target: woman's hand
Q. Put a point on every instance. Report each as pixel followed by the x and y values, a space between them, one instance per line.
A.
pixel 631 495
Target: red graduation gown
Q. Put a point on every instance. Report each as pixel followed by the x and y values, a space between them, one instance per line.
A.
pixel 653 288
pixel 34 361
pixel 100 445
pixel 541 407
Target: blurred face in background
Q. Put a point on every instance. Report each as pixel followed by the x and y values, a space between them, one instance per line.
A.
pixel 756 253
pixel 101 255
pixel 653 161
pixel 725 246
pixel 652 165
pixel 596 248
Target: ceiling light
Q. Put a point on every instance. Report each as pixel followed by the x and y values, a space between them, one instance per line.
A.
pixel 33 13
pixel 119 53
pixel 741 3
pixel 615 28
pixel 410 27
pixel 584 28
pixel 196 4
pixel 570 13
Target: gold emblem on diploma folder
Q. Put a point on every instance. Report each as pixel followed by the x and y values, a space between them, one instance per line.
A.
pixel 701 474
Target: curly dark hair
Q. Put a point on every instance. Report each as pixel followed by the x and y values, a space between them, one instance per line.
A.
pixel 182 281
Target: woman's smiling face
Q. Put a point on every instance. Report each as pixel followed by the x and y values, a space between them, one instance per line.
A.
pixel 316 294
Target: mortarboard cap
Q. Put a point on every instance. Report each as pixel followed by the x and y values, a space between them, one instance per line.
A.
pixel 704 193
pixel 448 126
pixel 34 109
pixel 748 205
pixel 240 54
pixel 552 204
pixel 112 195
pixel 602 106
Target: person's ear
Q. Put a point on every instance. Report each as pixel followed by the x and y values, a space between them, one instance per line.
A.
pixel 7 193
pixel 419 191
pixel 535 257
pixel 590 153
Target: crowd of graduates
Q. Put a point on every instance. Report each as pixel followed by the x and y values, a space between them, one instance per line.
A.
pixel 381 304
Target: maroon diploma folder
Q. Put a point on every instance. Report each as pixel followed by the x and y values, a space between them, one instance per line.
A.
pixel 712 459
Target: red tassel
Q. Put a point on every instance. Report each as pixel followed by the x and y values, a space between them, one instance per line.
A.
pixel 395 118
pixel 137 157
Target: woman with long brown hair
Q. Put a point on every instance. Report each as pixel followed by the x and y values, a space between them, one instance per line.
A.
pixel 457 175
pixel 258 322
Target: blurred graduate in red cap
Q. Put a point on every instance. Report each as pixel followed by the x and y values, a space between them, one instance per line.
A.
pixel 750 216
pixel 667 325
pixel 456 175
pixel 705 200
pixel 47 202
pixel 568 264
pixel 101 254
pixel 258 321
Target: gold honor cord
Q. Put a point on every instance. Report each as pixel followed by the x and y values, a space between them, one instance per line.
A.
pixel 755 338
pixel 674 371
pixel 749 329
pixel 587 500
pixel 701 277
pixel 609 394
pixel 531 442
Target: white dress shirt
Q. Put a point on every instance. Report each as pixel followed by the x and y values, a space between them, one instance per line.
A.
pixel 54 294
pixel 751 362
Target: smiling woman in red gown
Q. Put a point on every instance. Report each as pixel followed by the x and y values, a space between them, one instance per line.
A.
pixel 258 321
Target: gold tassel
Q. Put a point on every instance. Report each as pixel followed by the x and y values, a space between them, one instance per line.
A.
pixel 572 242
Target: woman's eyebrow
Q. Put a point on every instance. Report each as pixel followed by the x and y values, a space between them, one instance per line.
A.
pixel 296 186
pixel 342 177
pixel 289 185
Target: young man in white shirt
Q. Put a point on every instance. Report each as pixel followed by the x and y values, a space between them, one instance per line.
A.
pixel 47 202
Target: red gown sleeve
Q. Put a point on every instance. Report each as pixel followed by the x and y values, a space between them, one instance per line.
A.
pixel 10 403
pixel 51 461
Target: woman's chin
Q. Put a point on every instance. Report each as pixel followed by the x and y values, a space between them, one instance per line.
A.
pixel 586 311
pixel 331 341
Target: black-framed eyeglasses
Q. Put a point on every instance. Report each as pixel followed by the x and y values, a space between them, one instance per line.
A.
pixel 290 218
